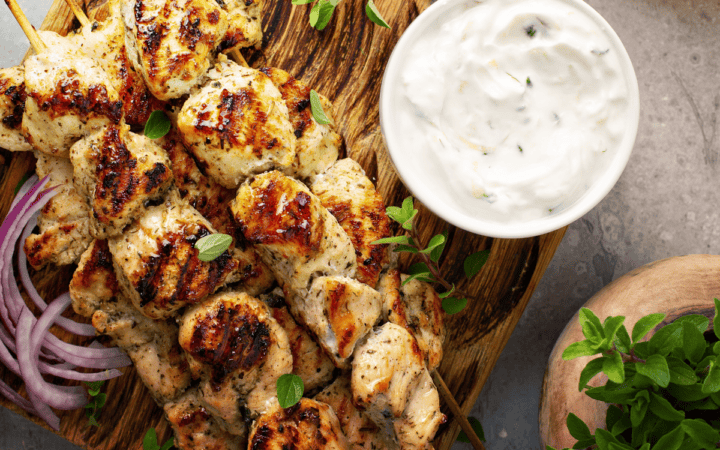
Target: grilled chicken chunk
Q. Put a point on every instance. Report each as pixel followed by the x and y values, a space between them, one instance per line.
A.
pixel 69 95
pixel 295 236
pixel 238 351
pixel 310 362
pixel 308 425
pixel 105 41
pixel 157 264
pixel 361 432
pixel 390 382
pixel 152 345
pixel 93 282
pixel 237 125
pixel 417 308
pixel 195 428
pixel 212 200
pixel 339 311
pixel 351 197
pixel 12 106
pixel 244 24
pixel 119 172
pixel 64 221
pixel 171 43
pixel 317 145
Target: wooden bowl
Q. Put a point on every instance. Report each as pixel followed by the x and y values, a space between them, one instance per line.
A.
pixel 675 286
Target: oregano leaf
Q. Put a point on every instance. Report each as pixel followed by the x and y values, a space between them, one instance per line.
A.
pixel 301 2
pixel 639 407
pixel 613 367
pixel 622 340
pixel 666 339
pixel 578 349
pixel 694 344
pixel 435 241
pixel 680 372
pixel 157 125
pixel 374 15
pixel 701 433
pixel 671 441
pixel 212 246
pixel 420 276
pixel 610 328
pixel 392 240
pixel 662 408
pixel 716 319
pixel 405 248
pixel 320 16
pixel 453 305
pixel 169 443
pixel 475 262
pixel 712 382
pixel 655 368
pixel 477 428
pixel 316 107
pixel 645 324
pixel 591 369
pixel 150 440
pixel 437 252
pixel 290 389
pixel 446 294
pixel 577 428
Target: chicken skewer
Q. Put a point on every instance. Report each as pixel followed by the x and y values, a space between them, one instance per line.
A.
pixel 78 12
pixel 29 30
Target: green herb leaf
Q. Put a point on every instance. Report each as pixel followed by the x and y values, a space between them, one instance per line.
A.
pixel 316 107
pixel 614 415
pixel 421 276
pixel 712 382
pixel 475 262
pixel 374 15
pixel 453 305
pixel 435 241
pixel 301 2
pixel 592 368
pixel 22 181
pixel 622 340
pixel 716 348
pixel 610 328
pixel 662 408
pixel 100 400
pixel 577 428
pixel 405 248
pixel 607 394
pixel 392 240
pixel 645 325
pixel 320 16
pixel 477 428
pixel 622 423
pixel 655 368
pixel 699 321
pixel 157 125
pixel 680 372
pixel 93 387
pixel 671 441
pixel 666 339
pixel 290 389
pixel 694 344
pixel 591 326
pixel 639 407
pixel 446 294
pixel 689 393
pixel 404 214
pixel 168 444
pixel 716 320
pixel 437 252
pixel 212 246
pixel 701 433
pixel 150 440
pixel 578 349
pixel 613 367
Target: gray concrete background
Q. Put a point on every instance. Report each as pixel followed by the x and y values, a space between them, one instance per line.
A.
pixel 663 205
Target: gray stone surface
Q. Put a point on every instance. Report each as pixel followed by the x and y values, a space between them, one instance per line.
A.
pixel 663 205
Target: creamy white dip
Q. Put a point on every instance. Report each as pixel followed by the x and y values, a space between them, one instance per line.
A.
pixel 511 107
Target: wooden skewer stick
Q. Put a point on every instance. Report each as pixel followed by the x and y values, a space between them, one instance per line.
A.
pixel 238 57
pixel 455 408
pixel 29 30
pixel 78 12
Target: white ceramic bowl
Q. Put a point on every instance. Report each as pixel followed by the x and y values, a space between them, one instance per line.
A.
pixel 400 154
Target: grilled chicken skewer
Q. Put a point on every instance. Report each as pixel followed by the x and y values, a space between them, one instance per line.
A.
pixel 12 107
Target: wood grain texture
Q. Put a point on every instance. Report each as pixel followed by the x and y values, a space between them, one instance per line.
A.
pixel 345 62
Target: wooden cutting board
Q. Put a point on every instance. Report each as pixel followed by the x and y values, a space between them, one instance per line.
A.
pixel 346 63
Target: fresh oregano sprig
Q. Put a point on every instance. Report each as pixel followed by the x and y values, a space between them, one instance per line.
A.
pixel 322 12
pixel 290 389
pixel 97 401
pixel 664 392
pixel 157 125
pixel 428 270
pixel 150 441
pixel 213 245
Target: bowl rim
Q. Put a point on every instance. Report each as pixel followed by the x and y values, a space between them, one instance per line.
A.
pixel 535 227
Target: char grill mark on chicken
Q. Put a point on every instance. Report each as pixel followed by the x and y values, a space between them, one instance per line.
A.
pixel 119 172
pixel 310 362
pixel 64 221
pixel 238 351
pixel 237 125
pixel 295 236
pixel 69 95
pixel 361 432
pixel 307 425
pixel 105 41
pixel 389 381
pixel 417 308
pixel 195 428
pixel 212 200
pixel 338 311
pixel 244 24
pixel 12 107
pixel 157 264
pixel 351 197
pixel 317 145
pixel 93 282
pixel 172 42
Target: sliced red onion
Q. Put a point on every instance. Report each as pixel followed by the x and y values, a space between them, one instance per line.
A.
pixel 80 329
pixel 24 189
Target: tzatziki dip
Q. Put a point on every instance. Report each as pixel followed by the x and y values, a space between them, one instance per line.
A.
pixel 511 108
